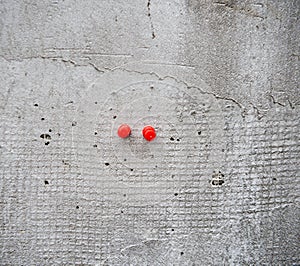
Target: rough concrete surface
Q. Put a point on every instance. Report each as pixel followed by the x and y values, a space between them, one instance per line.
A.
pixel 219 80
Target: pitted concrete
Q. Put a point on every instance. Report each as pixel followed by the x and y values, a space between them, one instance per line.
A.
pixel 220 83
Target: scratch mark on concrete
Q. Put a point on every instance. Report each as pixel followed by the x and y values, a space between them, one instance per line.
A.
pixel 243 9
pixel 6 98
pixel 125 250
pixel 259 4
pixel 109 55
pixel 169 64
pixel 145 242
pixel 66 49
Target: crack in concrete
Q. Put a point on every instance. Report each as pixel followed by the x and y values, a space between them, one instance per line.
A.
pixel 186 85
pixel 54 59
pixel 150 18
pixel 276 102
pixel 259 113
pixel 96 68
pixel 157 76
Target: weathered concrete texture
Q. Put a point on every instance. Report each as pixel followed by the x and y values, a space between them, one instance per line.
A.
pixel 220 83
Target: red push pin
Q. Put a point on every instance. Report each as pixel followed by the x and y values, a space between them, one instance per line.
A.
pixel 149 133
pixel 124 131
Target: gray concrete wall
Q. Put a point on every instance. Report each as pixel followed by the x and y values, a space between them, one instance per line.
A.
pixel 219 80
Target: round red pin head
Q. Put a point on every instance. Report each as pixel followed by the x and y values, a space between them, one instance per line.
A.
pixel 124 131
pixel 149 133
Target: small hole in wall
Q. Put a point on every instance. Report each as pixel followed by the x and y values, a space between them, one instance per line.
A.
pixel 181 253
pixel 107 164
pixel 131 170
pixel 217 182
pixel 172 139
pixel 50 130
pixel 114 117
pixel 74 124
pixel 95 145
pixel 199 133
pixel 96 102
pixel 42 118
pixel 46 182
pixel 172 230
pixel 47 143
pixel 77 207
pixel 95 133
pixel 36 105
pixel 122 212
pixel 175 194
pixel 45 136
